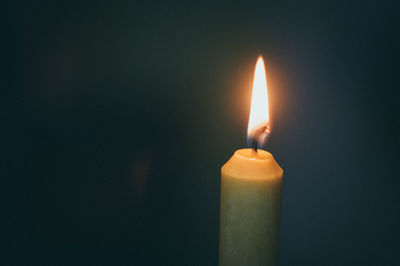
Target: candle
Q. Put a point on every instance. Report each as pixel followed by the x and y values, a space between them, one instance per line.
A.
pixel 251 185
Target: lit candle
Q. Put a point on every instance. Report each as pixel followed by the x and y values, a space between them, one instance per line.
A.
pixel 251 186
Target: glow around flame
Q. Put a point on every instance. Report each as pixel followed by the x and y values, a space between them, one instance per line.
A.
pixel 258 127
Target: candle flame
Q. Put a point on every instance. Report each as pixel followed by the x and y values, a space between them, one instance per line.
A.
pixel 259 126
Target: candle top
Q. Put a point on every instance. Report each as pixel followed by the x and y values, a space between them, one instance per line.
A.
pixel 248 164
pixel 251 154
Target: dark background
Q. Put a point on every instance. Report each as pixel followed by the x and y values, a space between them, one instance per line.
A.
pixel 117 117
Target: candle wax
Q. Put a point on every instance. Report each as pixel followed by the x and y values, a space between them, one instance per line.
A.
pixel 251 185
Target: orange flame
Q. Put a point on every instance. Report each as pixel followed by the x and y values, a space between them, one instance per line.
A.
pixel 259 110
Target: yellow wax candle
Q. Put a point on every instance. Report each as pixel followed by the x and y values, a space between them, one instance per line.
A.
pixel 251 186
pixel 250 209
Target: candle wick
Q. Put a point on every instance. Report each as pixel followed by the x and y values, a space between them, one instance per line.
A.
pixel 255 152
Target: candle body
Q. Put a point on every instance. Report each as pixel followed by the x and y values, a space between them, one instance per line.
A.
pixel 251 186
